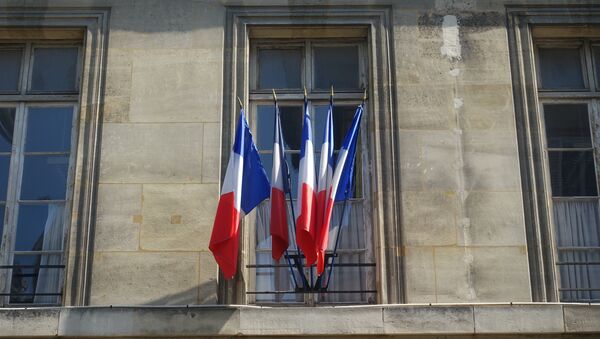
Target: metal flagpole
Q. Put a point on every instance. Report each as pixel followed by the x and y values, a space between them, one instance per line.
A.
pixel 337 237
pixel 305 108
pixel 287 174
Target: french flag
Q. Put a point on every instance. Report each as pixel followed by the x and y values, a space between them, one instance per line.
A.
pixel 244 187
pixel 324 186
pixel 305 223
pixel 279 187
pixel 341 181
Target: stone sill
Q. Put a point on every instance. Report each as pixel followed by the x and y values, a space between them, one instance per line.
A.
pixel 172 321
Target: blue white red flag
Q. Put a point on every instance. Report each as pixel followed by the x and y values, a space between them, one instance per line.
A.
pixel 324 185
pixel 244 187
pixel 305 223
pixel 279 187
pixel 342 177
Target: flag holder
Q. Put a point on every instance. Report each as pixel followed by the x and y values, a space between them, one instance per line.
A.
pixel 322 283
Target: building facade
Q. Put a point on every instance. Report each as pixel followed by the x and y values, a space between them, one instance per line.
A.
pixel 475 205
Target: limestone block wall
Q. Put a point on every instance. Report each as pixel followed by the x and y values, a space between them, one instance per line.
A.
pixel 159 172
pixel 462 217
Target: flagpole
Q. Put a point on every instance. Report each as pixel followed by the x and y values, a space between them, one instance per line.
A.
pixel 289 192
pixel 287 257
pixel 282 160
pixel 305 108
pixel 337 237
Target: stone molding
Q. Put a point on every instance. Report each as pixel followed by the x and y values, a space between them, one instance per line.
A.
pixel 536 193
pixel 233 320
pixel 384 140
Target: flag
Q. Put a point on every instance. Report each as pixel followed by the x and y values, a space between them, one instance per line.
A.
pixel 324 183
pixel 305 223
pixel 244 187
pixel 341 181
pixel 279 187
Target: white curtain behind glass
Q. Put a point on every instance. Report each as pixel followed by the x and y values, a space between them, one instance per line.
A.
pixel 578 238
pixel 351 249
pixel 48 278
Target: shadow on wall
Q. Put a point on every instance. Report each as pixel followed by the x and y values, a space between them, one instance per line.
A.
pixel 148 16
pixel 203 294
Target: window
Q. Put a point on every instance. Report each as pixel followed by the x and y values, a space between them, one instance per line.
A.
pixel 568 91
pixel 38 132
pixel 288 66
pixel 315 37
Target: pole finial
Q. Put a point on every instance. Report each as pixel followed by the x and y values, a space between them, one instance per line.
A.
pixel 305 94
pixel 274 95
pixel 240 102
pixel 332 90
pixel 365 95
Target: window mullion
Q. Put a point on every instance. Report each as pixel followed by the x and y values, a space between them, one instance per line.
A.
pixel 25 69
pixel 308 67
pixel 6 253
pixel 589 66
pixel 594 123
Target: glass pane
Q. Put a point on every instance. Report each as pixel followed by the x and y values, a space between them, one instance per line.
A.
pixel 45 177
pixel 293 160
pixel 561 68
pixel 10 68
pixel 578 241
pixel 597 65
pixel 264 127
pixel 2 208
pixel 291 124
pixel 337 67
pixel 31 277
pixel 4 167
pixel 7 126
pixel 54 69
pixel 40 227
pixel 572 173
pixel 49 129
pixel 342 120
pixel 280 68
pixel 272 278
pixel 567 125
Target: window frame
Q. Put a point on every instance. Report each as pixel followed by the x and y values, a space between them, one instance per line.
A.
pixel 18 154
pixel 528 26
pixel 89 26
pixel 374 22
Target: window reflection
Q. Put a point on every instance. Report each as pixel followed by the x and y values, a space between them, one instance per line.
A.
pixel 280 68
pixel 10 68
pixel 49 129
pixel 40 227
pixel 7 126
pixel 45 177
pixel 31 278
pixel 54 69
pixel 567 125
pixel 336 66
pixel 572 173
pixel 561 68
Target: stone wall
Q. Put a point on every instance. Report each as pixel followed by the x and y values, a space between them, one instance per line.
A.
pixel 462 217
pixel 159 173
